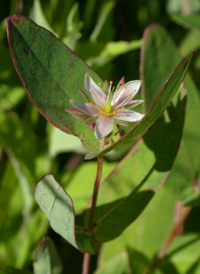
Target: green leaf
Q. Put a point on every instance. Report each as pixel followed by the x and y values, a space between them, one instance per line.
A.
pixel 98 54
pixel 51 74
pixel 10 97
pixel 46 259
pixel 138 262
pixel 118 264
pixel 4 269
pixel 184 253
pixel 81 189
pixel 145 234
pixel 104 14
pixel 60 142
pixel 157 47
pixel 37 15
pixel 188 21
pixel 167 92
pixel 132 184
pixel 59 209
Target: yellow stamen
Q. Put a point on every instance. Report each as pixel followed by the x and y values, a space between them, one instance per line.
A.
pixel 99 84
pixel 100 111
pixel 90 103
pixel 129 95
pixel 123 107
pixel 111 82
pixel 114 112
pixel 124 86
pixel 91 91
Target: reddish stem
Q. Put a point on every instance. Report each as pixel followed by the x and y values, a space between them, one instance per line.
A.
pixel 170 238
pixel 86 263
pixel 87 256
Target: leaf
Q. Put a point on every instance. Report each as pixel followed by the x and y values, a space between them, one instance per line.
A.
pixel 4 269
pixel 158 214
pixel 37 15
pixel 51 74
pixel 81 189
pixel 60 142
pixel 138 262
pixel 118 264
pixel 132 184
pixel 46 259
pixel 157 46
pixel 188 21
pixel 104 14
pixel 167 91
pixel 59 209
pixel 10 97
pixel 184 253
pixel 98 54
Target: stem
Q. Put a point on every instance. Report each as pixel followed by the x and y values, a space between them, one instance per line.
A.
pixel 95 191
pixel 87 256
pixel 86 263
pixel 170 238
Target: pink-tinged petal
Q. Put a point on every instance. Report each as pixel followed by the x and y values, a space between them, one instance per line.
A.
pixel 121 123
pixel 94 91
pixel 86 108
pixel 134 103
pixel 103 127
pixel 121 82
pixel 128 115
pixel 127 90
pixel 84 94
pixel 77 113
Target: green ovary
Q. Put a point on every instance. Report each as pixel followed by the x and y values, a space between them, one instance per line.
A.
pixel 108 107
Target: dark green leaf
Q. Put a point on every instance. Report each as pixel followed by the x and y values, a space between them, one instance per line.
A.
pixel 157 47
pixel 51 74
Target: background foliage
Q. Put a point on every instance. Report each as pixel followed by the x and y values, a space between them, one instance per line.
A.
pixel 108 36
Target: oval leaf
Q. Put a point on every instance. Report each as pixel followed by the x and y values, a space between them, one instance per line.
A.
pixel 59 209
pixel 46 259
pixel 51 74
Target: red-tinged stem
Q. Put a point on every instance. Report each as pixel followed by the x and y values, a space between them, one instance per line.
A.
pixel 87 256
pixel 170 238
pixel 95 192
pixel 86 263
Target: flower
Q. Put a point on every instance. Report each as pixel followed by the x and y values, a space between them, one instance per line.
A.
pixel 105 109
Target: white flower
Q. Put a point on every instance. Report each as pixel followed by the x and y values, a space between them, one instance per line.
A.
pixel 103 109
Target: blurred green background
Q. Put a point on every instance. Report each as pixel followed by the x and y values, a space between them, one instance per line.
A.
pixel 108 36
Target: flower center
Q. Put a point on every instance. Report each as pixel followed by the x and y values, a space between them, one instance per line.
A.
pixel 108 107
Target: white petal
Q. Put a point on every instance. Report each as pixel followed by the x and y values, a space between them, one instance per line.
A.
pixel 122 93
pixel 134 103
pixel 103 127
pixel 97 94
pixel 128 115
pixel 121 123
pixel 77 113
pixel 86 108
